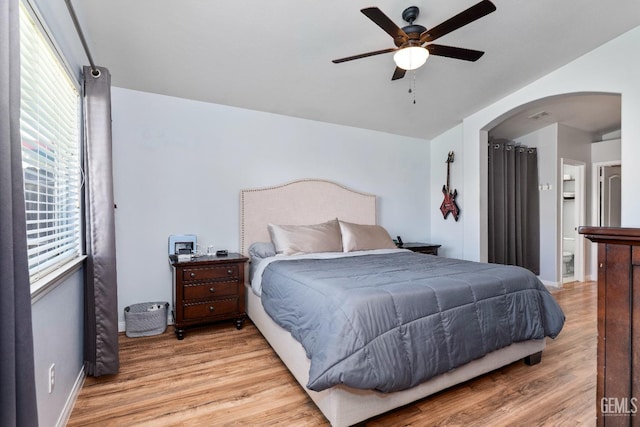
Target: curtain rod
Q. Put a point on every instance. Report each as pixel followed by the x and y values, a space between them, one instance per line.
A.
pixel 94 70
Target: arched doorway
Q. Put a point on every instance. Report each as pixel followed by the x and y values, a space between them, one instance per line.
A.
pixel 565 128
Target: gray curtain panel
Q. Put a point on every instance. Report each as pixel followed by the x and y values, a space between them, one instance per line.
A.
pixel 101 289
pixel 514 205
pixel 17 383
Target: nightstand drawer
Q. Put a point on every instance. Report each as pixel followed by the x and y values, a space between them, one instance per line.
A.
pixel 210 290
pixel 214 308
pixel 209 273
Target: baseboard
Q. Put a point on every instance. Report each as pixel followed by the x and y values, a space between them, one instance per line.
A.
pixel 550 284
pixel 71 399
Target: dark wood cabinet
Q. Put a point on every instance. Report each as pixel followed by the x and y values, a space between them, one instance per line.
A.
pixel 423 248
pixel 618 373
pixel 208 289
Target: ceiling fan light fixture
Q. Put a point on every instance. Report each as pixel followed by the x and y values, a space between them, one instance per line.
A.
pixel 411 57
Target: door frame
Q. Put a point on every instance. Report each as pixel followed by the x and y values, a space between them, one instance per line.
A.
pixel 580 202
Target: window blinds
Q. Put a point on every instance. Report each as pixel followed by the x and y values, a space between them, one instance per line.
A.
pixel 49 125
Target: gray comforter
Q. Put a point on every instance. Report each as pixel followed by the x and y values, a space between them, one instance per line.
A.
pixel 390 322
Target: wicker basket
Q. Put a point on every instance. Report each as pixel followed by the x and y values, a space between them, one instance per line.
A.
pixel 146 319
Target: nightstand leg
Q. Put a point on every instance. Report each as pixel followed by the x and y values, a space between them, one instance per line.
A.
pixel 239 322
pixel 180 334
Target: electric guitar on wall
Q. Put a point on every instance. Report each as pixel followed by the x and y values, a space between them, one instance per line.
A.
pixel 449 203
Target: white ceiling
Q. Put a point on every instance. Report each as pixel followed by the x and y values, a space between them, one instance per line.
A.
pixel 275 56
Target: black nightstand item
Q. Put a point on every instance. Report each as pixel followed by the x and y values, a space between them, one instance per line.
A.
pixel 423 248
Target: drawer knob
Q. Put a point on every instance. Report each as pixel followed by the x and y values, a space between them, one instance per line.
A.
pixel 192 275
pixel 229 271
pixel 212 289
pixel 211 308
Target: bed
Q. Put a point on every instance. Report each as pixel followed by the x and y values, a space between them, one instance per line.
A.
pixel 315 202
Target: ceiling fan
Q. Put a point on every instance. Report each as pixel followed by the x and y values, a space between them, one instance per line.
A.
pixel 413 42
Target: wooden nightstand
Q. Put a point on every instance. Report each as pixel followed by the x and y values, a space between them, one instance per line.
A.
pixel 208 289
pixel 423 248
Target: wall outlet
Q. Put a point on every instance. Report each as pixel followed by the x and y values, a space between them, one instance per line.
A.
pixel 52 377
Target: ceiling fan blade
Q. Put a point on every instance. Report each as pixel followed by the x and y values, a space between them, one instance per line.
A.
pixel 384 22
pixel 477 11
pixel 398 73
pixel 364 55
pixel 454 52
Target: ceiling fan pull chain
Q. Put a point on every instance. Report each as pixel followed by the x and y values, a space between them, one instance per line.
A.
pixel 412 87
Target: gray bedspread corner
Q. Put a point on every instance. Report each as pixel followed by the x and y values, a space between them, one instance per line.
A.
pixel 554 317
pixel 390 322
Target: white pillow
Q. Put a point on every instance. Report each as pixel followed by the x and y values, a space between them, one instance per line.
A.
pixel 360 237
pixel 297 239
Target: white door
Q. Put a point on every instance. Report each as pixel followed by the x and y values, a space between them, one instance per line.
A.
pixel 610 196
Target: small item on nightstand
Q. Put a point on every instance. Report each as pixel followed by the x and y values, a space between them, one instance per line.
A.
pixel 182 244
pixel 400 242
pixel 222 252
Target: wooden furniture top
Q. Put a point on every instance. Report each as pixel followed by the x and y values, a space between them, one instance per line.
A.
pixel 232 257
pixel 412 245
pixel 630 236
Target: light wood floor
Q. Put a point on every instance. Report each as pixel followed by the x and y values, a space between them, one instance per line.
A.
pixel 219 376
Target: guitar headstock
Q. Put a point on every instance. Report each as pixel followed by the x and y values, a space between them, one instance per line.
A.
pixel 450 157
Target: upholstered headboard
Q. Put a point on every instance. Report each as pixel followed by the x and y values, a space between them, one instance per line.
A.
pixel 307 201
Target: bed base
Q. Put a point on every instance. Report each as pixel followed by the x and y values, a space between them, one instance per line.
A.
pixel 346 406
pixel 312 201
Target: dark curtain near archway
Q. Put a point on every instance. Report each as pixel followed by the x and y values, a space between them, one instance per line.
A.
pixel 514 205
pixel 17 380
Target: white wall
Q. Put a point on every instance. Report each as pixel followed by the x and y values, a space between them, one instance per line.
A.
pixel 57 323
pixel 574 144
pixel 606 151
pixel 179 166
pixel 608 69
pixel 447 232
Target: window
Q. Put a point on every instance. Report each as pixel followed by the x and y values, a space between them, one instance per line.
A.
pixel 50 131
